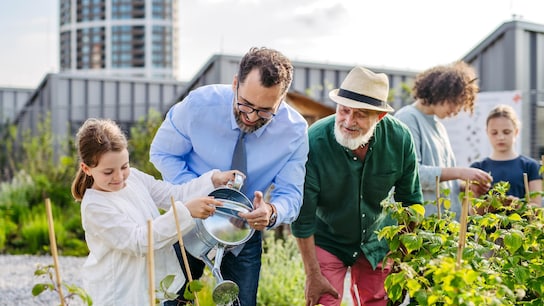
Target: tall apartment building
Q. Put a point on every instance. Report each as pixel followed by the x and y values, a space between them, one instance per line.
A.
pixel 136 38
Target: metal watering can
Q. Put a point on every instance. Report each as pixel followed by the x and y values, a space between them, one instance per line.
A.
pixel 222 232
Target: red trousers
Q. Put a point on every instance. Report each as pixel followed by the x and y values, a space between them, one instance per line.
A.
pixel 366 284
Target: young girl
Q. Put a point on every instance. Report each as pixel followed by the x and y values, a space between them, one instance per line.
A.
pixel 116 202
pixel 504 164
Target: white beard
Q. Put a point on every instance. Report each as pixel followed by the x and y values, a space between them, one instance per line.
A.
pixel 353 143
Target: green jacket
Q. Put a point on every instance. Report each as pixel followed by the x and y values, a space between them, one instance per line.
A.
pixel 342 195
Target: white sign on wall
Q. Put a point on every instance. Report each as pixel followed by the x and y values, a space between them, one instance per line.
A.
pixel 467 133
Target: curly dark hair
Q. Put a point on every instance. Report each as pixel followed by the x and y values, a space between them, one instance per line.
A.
pixel 274 67
pixel 454 83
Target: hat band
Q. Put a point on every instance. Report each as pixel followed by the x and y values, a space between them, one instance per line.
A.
pixel 360 98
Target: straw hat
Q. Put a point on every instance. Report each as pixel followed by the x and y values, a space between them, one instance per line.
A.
pixel 363 88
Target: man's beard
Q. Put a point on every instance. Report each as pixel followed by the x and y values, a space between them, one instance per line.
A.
pixel 353 143
pixel 248 128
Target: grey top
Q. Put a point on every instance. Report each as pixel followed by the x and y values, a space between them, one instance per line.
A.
pixel 434 152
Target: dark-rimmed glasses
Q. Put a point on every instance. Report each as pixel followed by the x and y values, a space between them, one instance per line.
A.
pixel 247 109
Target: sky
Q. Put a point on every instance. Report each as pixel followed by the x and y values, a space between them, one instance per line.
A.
pixel 394 34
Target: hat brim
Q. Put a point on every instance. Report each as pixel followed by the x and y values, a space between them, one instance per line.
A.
pixel 333 94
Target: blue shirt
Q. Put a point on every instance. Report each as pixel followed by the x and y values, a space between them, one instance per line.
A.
pixel 200 133
pixel 511 171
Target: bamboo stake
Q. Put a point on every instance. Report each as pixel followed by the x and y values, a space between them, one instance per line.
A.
pixel 54 253
pixel 438 196
pixel 150 263
pixel 182 247
pixel 527 192
pixel 463 229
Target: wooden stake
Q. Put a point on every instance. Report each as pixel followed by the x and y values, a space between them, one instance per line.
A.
pixel 182 247
pixel 463 225
pixel 438 196
pixel 54 253
pixel 151 262
pixel 527 192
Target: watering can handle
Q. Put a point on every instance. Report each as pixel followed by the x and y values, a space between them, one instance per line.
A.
pixel 237 182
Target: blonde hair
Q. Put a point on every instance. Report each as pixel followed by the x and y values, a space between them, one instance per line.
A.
pixel 94 138
pixel 505 111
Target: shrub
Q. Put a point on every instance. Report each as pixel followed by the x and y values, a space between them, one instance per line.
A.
pixel 17 191
pixel 35 231
pixel 141 135
pixel 501 259
pixel 6 227
pixel 282 274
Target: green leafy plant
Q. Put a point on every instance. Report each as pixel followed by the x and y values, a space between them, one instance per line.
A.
pixel 501 262
pixel 282 276
pixel 73 291
pixel 141 135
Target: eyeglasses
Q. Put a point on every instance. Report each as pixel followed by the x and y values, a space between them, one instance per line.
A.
pixel 247 109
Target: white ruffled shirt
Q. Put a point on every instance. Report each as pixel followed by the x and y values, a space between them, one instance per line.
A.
pixel 115 224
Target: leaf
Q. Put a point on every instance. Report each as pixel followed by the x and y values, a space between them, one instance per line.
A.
pixel 418 208
pixel 390 231
pixel 514 217
pixel 166 282
pixel 411 242
pixel 433 299
pixel 393 284
pixel 188 295
pixel 40 272
pixel 196 286
pixel 394 245
pixel 192 287
pixel 513 241
pixel 41 287
pixel 413 285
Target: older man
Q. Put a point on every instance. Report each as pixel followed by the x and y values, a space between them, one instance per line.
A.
pixel 357 156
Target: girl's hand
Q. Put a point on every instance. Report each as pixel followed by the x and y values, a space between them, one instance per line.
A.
pixel 480 181
pixel 202 207
pixel 223 178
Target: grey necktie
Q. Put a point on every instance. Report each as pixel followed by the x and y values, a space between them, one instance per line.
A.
pixel 239 162
pixel 239 159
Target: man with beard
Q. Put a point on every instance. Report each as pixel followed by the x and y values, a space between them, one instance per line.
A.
pixel 357 156
pixel 201 132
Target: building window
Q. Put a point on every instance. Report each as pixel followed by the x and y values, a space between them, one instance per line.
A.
pixel 65 12
pixel 65 54
pixel 90 48
pixel 128 9
pixel 162 9
pixel 90 10
pixel 128 46
pixel 162 47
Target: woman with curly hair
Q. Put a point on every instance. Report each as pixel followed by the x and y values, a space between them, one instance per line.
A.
pixel 441 92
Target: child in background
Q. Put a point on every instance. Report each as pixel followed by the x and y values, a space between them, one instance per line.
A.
pixel 116 202
pixel 505 164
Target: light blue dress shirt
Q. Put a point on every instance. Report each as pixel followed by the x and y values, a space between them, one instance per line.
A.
pixel 200 133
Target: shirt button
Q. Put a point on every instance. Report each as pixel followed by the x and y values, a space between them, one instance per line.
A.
pixel 363 215
pixel 364 231
pixel 354 254
pixel 354 158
